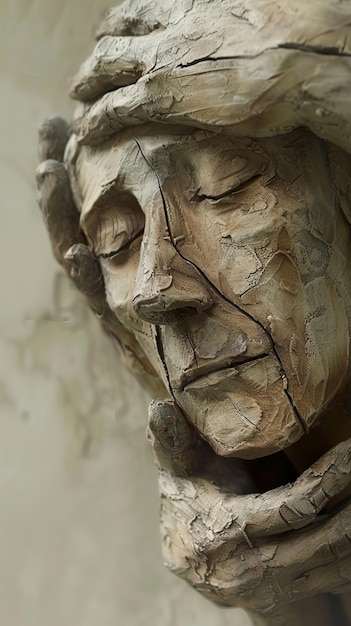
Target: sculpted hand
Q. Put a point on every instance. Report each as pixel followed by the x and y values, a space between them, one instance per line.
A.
pixel 252 68
pixel 59 211
pixel 240 548
pixel 69 245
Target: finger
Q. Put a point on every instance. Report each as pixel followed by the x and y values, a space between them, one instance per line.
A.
pixel 136 17
pixel 240 96
pixel 291 507
pixel 332 578
pixel 296 506
pixel 58 209
pixel 305 564
pixel 321 558
pixel 115 62
pixel 68 243
pixel 230 95
pixel 178 448
pixel 85 270
pixel 113 112
pixel 133 18
pixel 53 136
pixel 175 444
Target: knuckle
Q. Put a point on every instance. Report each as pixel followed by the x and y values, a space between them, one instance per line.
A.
pixel 225 578
pixel 50 166
pixel 103 47
pixel 53 174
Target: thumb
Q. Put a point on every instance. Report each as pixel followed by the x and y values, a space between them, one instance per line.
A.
pixel 179 449
pixel 175 444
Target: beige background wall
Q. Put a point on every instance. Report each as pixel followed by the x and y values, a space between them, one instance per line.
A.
pixel 79 539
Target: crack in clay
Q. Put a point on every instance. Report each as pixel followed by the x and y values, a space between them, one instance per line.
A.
pixel 327 51
pixel 192 347
pixel 160 352
pixel 284 46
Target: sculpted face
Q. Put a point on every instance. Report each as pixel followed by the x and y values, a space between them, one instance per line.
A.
pixel 228 260
pixel 225 264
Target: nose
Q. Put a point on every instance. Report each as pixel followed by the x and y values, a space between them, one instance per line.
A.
pixel 168 288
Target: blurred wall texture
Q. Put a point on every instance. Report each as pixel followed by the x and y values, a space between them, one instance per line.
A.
pixel 79 542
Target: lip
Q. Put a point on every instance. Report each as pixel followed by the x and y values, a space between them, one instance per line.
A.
pixel 198 378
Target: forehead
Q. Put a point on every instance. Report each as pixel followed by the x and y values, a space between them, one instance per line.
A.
pixel 126 163
pixel 134 164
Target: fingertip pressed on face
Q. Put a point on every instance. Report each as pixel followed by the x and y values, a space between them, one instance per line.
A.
pixel 53 134
pixel 115 62
pixel 130 19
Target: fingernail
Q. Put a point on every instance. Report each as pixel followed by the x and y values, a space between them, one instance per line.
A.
pixel 169 426
pixel 85 269
pixel 53 136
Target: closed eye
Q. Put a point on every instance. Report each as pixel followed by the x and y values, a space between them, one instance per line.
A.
pixel 235 189
pixel 120 252
pixel 113 222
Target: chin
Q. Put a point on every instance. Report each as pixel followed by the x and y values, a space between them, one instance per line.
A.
pixel 243 411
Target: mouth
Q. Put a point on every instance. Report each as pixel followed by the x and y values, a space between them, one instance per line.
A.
pixel 206 375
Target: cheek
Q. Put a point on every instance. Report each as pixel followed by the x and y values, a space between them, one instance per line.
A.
pixel 230 245
pixel 270 265
pixel 239 265
pixel 306 312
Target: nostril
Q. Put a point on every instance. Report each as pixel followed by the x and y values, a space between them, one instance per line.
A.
pixel 168 288
pixel 163 308
pixel 163 317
